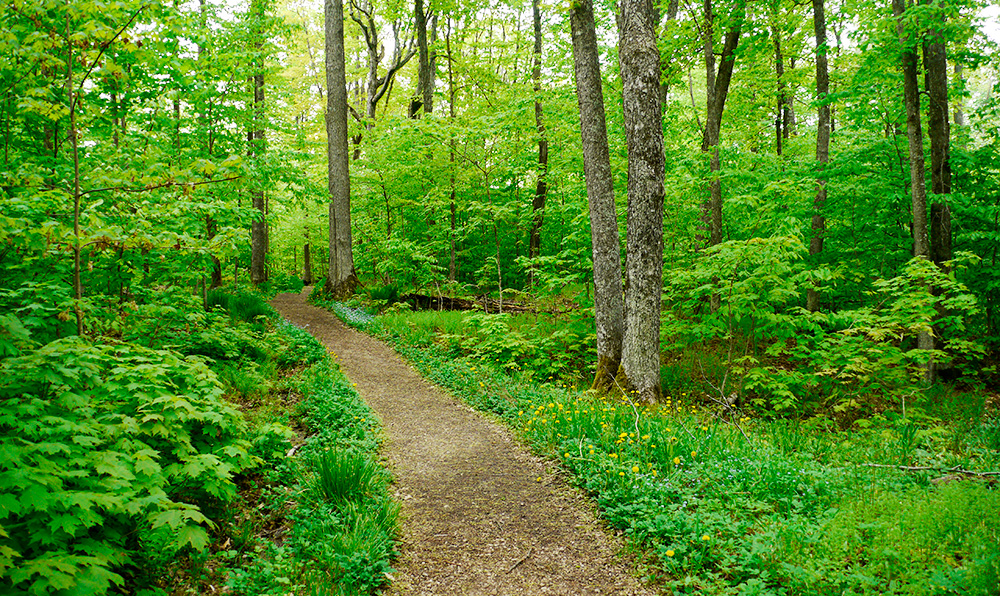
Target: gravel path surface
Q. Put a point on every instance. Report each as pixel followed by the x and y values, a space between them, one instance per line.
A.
pixel 476 519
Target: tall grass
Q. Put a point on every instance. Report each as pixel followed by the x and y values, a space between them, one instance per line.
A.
pixel 342 473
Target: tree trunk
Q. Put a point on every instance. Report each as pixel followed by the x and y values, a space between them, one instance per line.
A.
pixel 918 191
pixel 74 145
pixel 541 187
pixel 719 90
pixel 425 71
pixel 780 132
pixel 640 69
pixel 822 143
pixel 713 121
pixel 605 242
pixel 258 229
pixel 452 93
pixel 939 132
pixel 341 278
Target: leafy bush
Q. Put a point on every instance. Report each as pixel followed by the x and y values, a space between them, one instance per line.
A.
pixel 101 444
pixel 785 357
pixel 284 282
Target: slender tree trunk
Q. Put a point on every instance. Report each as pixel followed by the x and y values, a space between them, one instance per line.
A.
pixel 719 90
pixel 426 69
pixel 779 70
pixel 341 277
pixel 606 246
pixel 640 68
pixel 960 81
pixel 541 187
pixel 423 55
pixel 74 145
pixel 939 132
pixel 258 229
pixel 307 272
pixel 713 120
pixel 452 268
pixel 918 191
pixel 822 143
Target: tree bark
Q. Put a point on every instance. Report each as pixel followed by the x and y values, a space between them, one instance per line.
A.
pixel 541 186
pixel 939 132
pixel 258 229
pixel 713 121
pixel 341 278
pixel 452 266
pixel 918 191
pixel 822 143
pixel 605 242
pixel 426 70
pixel 640 69
pixel 780 132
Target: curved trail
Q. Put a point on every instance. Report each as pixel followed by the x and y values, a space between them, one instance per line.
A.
pixel 476 521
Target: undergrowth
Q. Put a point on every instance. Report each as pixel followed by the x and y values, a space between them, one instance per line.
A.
pixel 164 455
pixel 751 504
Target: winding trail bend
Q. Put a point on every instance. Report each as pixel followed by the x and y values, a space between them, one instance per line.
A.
pixel 476 520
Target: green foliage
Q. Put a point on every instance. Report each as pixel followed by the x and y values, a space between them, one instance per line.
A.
pixel 785 357
pixel 342 473
pixel 101 442
pixel 344 526
pixel 935 538
pixel 543 346
pixel 752 506
pixel 244 305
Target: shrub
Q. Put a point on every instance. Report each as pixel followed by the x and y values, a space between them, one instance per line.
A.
pixel 100 444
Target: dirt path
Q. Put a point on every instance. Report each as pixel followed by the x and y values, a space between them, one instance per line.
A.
pixel 476 520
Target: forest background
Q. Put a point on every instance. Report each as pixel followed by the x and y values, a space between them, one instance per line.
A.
pixel 155 151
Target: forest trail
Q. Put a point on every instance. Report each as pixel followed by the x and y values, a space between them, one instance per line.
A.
pixel 476 520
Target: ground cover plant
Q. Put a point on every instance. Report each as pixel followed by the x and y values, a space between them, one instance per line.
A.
pixel 128 458
pixel 753 503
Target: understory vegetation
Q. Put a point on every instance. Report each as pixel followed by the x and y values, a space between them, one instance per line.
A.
pixel 186 450
pixel 726 500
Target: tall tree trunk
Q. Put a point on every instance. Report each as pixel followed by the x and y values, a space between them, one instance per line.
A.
pixel 713 121
pixel 960 81
pixel 74 145
pixel 918 191
pixel 341 278
pixel 541 187
pixel 718 91
pixel 426 69
pixel 779 70
pixel 307 272
pixel 640 69
pixel 605 243
pixel 452 267
pixel 822 143
pixel 258 229
pixel 939 132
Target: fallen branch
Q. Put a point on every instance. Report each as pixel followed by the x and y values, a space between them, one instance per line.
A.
pixel 955 470
pixel 522 560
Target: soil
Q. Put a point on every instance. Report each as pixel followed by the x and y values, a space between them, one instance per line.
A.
pixel 481 514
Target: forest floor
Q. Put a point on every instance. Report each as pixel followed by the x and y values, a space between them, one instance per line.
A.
pixel 480 514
